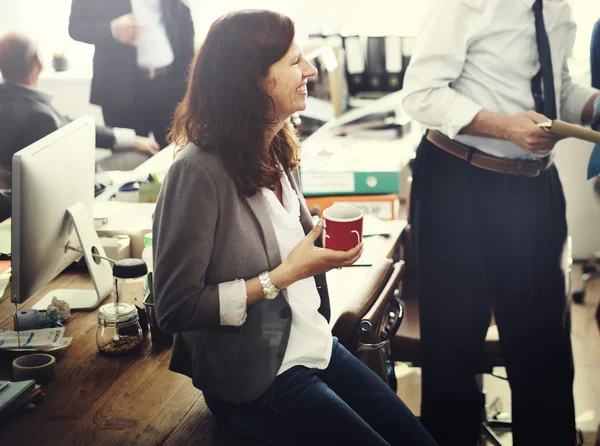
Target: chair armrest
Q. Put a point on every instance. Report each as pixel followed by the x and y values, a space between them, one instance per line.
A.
pixel 346 327
pixel 372 324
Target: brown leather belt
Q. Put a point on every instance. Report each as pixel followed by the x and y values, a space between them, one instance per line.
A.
pixel 524 168
pixel 152 73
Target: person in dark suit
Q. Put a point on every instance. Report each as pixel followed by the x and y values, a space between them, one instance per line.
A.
pixel 143 49
pixel 595 55
pixel 27 114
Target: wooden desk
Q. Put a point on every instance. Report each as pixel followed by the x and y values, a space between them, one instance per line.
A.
pixel 96 399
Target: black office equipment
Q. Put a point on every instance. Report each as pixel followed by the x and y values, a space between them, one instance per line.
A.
pixel 355 64
pixel 376 63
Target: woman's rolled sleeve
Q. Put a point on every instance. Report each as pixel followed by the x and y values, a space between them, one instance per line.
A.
pixel 233 302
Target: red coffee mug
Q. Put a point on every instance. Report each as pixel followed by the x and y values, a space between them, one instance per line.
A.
pixel 342 227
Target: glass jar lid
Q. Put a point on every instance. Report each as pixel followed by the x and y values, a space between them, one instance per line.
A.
pixel 130 268
pixel 120 313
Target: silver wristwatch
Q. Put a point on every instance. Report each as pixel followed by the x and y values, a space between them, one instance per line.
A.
pixel 270 291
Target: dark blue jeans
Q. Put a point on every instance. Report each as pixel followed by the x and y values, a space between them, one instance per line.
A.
pixel 345 404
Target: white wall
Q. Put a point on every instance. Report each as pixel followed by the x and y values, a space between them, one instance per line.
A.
pixel 47 21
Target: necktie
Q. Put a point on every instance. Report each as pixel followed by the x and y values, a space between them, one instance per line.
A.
pixel 545 104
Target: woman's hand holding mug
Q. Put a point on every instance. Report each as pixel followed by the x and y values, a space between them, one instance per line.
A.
pixel 307 260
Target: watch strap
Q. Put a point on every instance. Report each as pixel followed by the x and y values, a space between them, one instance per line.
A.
pixel 270 291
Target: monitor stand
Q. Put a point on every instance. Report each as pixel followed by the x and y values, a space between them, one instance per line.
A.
pixel 98 265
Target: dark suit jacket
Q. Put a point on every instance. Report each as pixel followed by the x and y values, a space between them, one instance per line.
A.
pixel 595 55
pixel 205 233
pixel 115 63
pixel 26 115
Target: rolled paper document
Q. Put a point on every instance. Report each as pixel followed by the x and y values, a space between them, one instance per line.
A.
pixel 571 130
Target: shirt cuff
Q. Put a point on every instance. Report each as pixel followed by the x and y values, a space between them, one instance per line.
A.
pixel 462 111
pixel 112 29
pixel 596 119
pixel 232 302
pixel 124 138
pixel 572 107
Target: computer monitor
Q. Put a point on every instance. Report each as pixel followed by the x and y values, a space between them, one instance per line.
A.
pixel 52 223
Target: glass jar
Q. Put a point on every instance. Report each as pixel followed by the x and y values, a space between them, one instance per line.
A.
pixel 130 281
pixel 119 329
pixel 130 286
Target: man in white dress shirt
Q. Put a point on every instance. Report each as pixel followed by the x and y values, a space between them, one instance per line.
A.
pixel 488 211
pixel 143 49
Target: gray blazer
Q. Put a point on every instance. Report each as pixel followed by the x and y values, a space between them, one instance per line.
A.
pixel 205 233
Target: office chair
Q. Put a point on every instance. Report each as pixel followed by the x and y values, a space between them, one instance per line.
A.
pixel 372 317
pixel 405 345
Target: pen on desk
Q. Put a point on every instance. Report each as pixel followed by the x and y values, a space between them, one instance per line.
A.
pixel 378 234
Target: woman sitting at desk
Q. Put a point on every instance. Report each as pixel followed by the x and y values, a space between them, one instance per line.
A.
pixel 237 275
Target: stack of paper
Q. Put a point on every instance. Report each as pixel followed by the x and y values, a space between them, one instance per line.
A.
pixel 46 339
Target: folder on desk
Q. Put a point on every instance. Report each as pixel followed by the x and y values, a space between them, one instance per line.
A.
pixel 385 207
pixel 12 394
pixel 337 165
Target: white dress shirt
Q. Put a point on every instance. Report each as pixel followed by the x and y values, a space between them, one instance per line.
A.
pixel 154 50
pixel 310 340
pixel 481 54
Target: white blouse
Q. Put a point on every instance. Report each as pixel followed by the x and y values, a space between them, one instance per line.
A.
pixel 310 339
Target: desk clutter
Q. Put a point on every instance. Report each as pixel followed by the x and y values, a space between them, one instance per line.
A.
pixel 106 398
pixel 29 372
pixel 122 323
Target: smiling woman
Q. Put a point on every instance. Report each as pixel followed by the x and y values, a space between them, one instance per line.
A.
pixel 239 275
pixel 255 86
pixel 286 82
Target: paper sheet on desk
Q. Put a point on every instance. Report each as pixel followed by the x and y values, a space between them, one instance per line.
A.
pixel 124 217
pixel 158 164
pixel 374 226
pixel 5 239
pixel 46 339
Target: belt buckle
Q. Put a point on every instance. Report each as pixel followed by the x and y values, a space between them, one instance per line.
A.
pixel 151 73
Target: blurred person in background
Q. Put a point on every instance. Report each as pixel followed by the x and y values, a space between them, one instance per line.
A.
pixel 143 50
pixel 27 114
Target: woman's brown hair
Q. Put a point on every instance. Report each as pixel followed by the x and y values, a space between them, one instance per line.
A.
pixel 225 108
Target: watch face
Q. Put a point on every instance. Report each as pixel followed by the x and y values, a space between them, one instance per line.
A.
pixel 272 294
